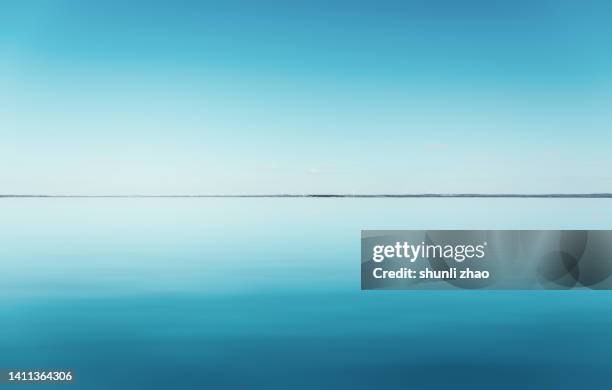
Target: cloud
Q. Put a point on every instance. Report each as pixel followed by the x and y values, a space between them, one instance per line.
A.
pixel 437 146
pixel 323 170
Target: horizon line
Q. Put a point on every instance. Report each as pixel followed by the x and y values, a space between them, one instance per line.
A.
pixel 332 195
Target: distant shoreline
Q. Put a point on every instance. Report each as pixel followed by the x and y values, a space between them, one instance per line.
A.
pixel 467 195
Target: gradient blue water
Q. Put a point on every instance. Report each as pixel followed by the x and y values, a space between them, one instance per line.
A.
pixel 264 293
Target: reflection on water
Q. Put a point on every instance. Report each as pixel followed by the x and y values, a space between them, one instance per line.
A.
pixel 244 293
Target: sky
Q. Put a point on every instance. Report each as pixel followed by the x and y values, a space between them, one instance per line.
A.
pixel 238 97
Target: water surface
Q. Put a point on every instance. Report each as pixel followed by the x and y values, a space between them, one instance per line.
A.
pixel 264 293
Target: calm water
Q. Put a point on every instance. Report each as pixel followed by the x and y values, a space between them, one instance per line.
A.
pixel 264 293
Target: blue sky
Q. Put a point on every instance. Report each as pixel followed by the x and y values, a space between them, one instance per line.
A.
pixel 265 97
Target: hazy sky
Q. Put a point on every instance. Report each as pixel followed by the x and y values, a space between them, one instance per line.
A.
pixel 167 97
